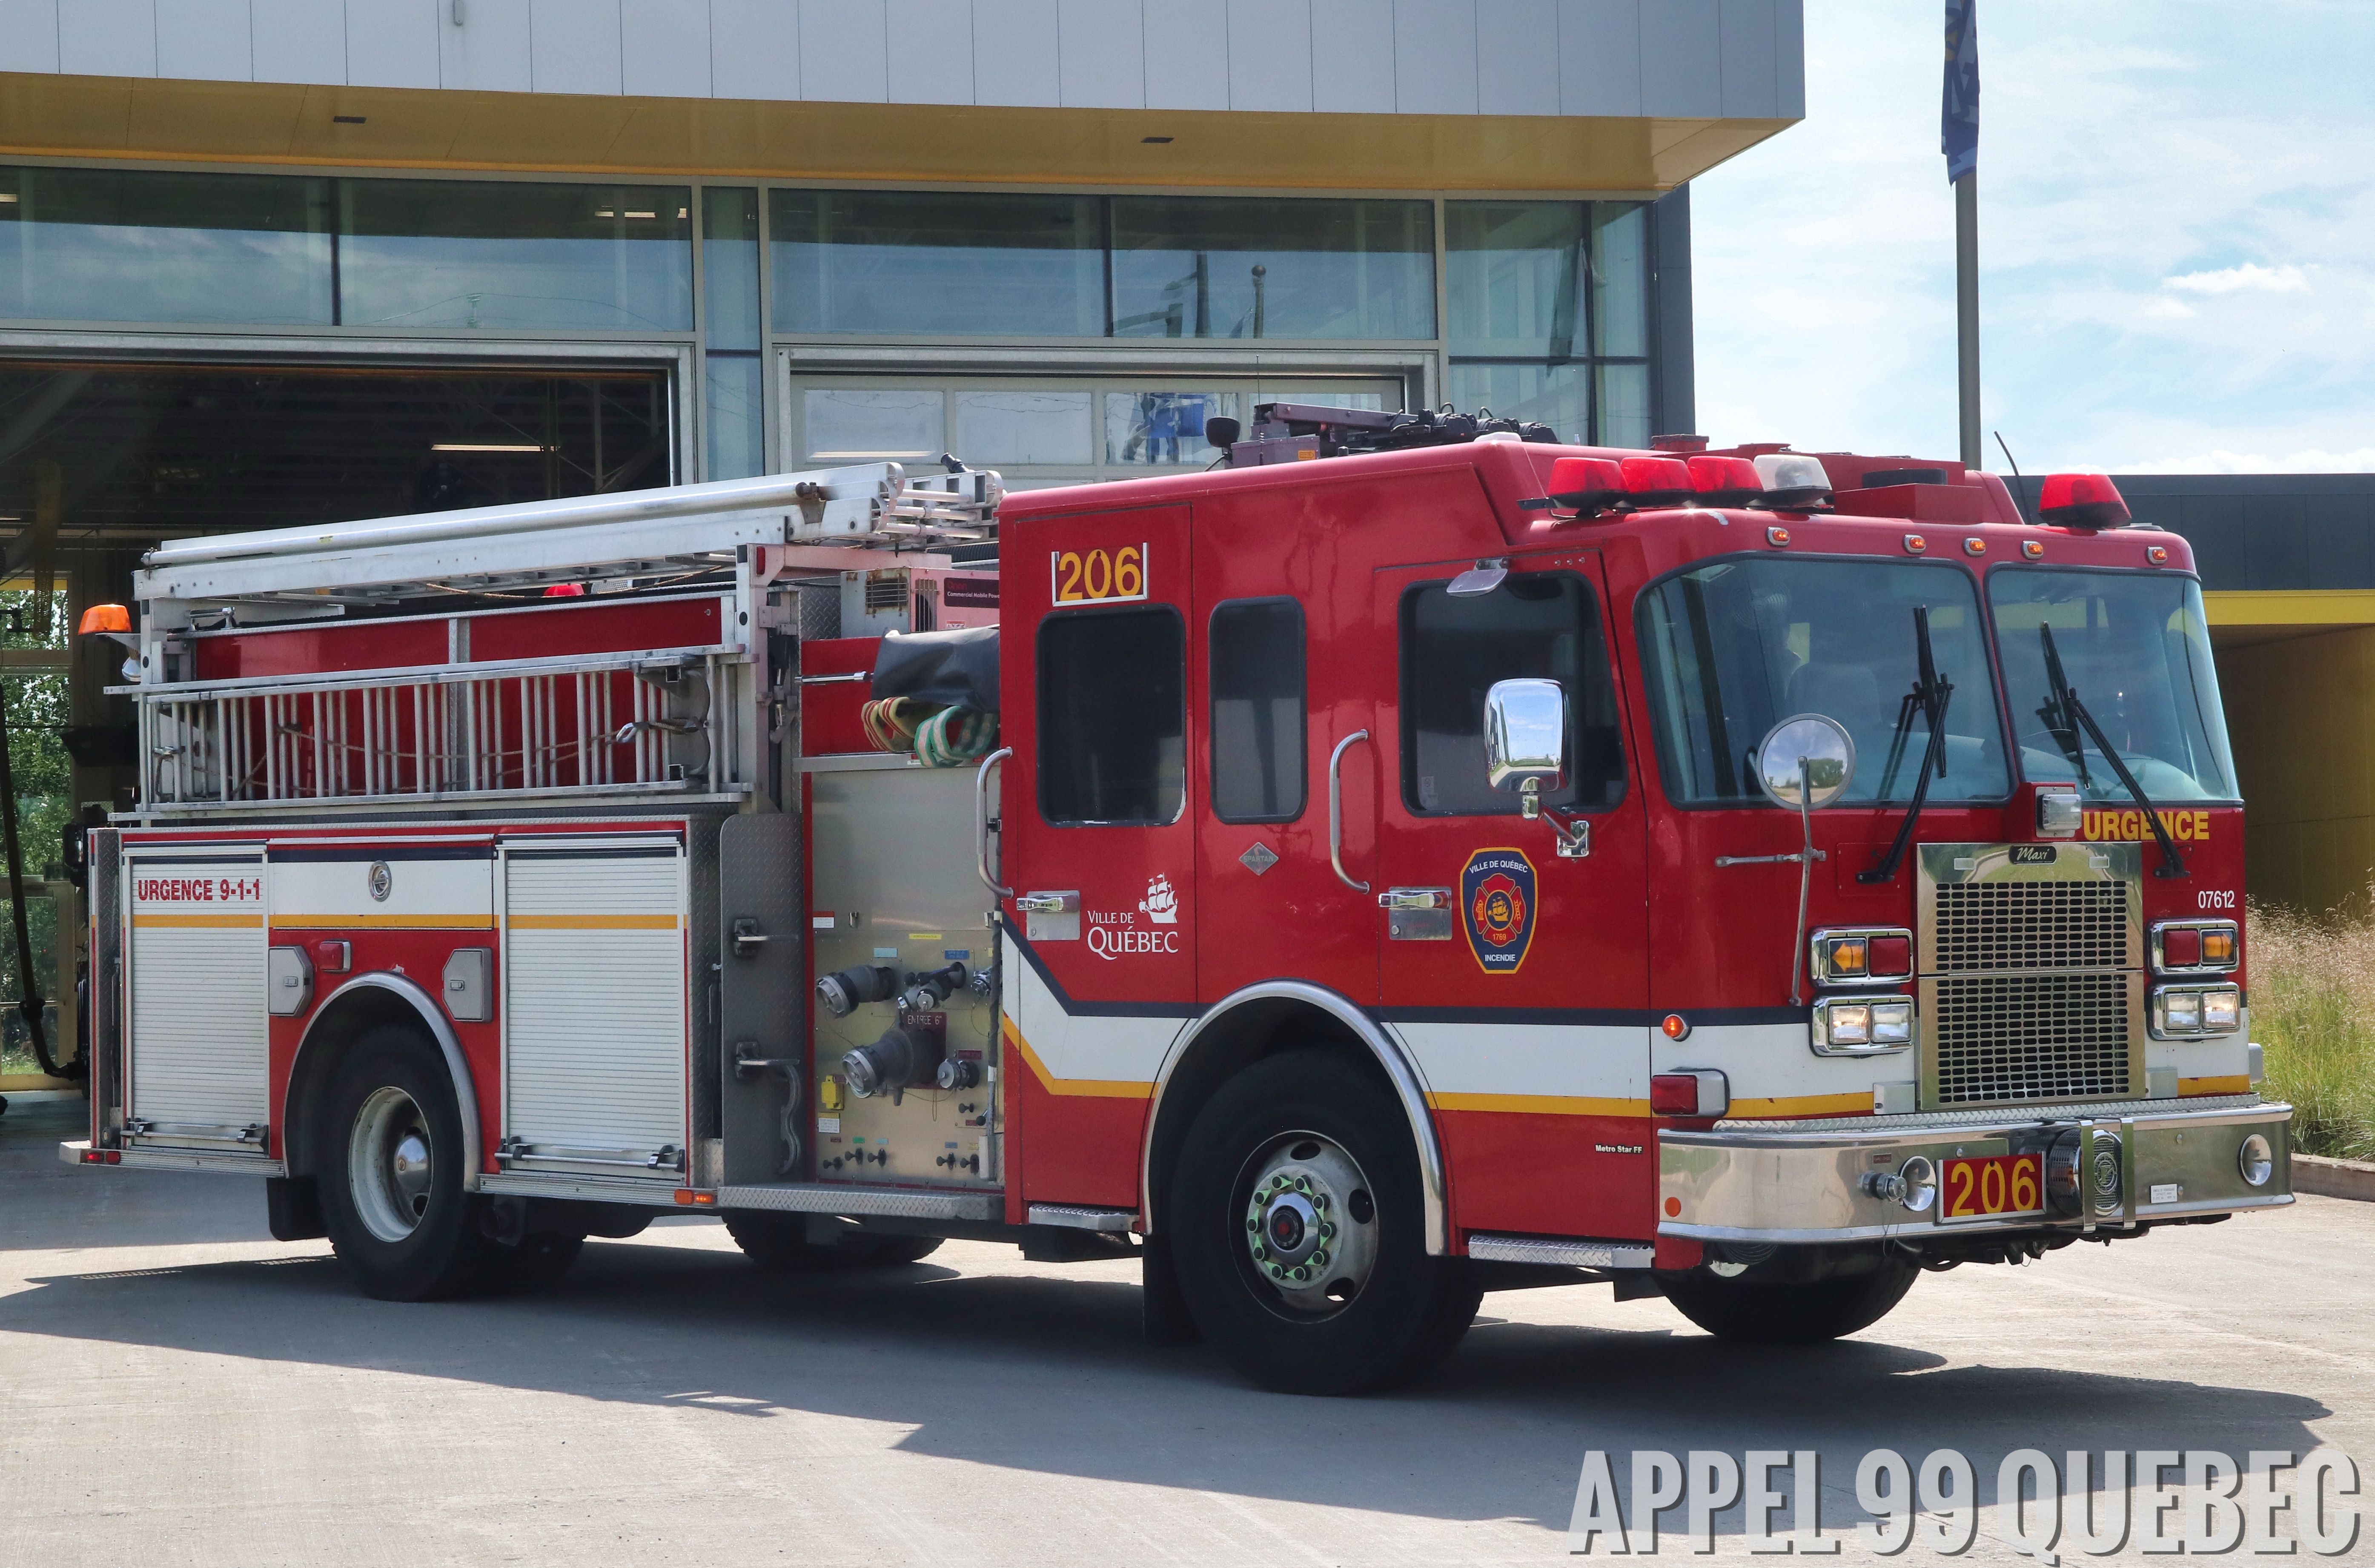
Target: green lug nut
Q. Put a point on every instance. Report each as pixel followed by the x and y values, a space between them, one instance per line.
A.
pixel 1278 1182
pixel 1327 1231
pixel 1260 1252
pixel 1254 1225
pixel 1303 1184
pixel 1319 1202
pixel 1276 1272
pixel 1300 1273
pixel 1320 1258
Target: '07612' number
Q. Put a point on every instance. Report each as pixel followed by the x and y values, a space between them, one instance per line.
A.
pixel 1098 577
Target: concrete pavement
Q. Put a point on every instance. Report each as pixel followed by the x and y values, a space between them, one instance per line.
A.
pixel 176 1387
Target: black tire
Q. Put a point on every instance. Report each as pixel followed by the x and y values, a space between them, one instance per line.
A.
pixel 390 1085
pixel 1756 1312
pixel 1350 1338
pixel 538 1262
pixel 779 1243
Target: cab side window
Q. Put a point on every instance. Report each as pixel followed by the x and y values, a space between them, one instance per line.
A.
pixel 1113 717
pixel 1454 648
pixel 1258 711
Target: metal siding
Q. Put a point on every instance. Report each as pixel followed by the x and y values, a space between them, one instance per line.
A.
pixel 1681 78
pixel 1101 54
pixel 1599 57
pixel 595 1037
pixel 29 35
pixel 1751 86
pixel 845 51
pixel 1352 59
pixel 666 48
pixel 299 40
pixel 1517 57
pixel 1188 54
pixel 392 42
pixel 573 46
pixel 1269 56
pixel 1016 54
pixel 933 40
pixel 754 49
pixel 106 38
pixel 204 40
pixel 1434 57
pixel 490 50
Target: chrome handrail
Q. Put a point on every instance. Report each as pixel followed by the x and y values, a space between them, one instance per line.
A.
pixel 1336 811
pixel 981 822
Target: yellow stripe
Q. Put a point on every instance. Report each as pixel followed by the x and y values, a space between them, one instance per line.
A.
pixel 1541 1104
pixel 2291 606
pixel 1805 1105
pixel 1108 1089
pixel 2234 1083
pixel 593 922
pixel 385 922
pixel 199 922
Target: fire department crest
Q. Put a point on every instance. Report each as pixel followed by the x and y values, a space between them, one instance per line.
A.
pixel 1497 890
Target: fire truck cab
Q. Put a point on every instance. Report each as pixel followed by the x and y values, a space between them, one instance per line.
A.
pixel 1410 860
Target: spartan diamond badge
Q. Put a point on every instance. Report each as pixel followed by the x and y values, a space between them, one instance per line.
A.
pixel 1259 858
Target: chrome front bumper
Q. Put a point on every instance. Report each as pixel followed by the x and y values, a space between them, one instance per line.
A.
pixel 1828 1181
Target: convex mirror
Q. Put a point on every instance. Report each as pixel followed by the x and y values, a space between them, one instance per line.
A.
pixel 1525 734
pixel 1818 742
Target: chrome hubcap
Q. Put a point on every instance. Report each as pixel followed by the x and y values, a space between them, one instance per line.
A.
pixel 390 1164
pixel 1311 1223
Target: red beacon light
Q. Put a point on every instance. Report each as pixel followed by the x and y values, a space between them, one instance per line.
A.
pixel 1723 481
pixel 1655 482
pixel 2080 500
pixel 1581 486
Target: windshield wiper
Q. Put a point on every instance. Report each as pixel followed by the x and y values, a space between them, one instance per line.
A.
pixel 1928 697
pixel 2065 699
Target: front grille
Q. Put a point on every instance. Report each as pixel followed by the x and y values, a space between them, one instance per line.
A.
pixel 2013 1037
pixel 2032 925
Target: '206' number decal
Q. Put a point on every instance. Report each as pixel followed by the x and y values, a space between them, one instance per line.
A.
pixel 1098 577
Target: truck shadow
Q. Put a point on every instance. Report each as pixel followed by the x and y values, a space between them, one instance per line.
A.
pixel 1047 1374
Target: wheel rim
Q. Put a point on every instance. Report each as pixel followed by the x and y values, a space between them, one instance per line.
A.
pixel 1310 1224
pixel 390 1164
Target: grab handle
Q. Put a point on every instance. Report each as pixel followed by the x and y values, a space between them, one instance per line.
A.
pixel 981 823
pixel 1336 809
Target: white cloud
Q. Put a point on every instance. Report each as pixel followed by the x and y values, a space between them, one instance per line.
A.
pixel 2251 275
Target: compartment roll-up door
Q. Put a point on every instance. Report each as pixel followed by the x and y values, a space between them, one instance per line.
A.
pixel 196 1059
pixel 594 992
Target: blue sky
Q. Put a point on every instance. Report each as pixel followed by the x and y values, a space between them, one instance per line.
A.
pixel 2177 234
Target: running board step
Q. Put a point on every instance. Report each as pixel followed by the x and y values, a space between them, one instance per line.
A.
pixel 1107 1220
pixel 834 1197
pixel 1578 1253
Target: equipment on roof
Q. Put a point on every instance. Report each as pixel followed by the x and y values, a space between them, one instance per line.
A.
pixel 1298 433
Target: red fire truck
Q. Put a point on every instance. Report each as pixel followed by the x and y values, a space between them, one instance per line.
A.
pixel 1410 858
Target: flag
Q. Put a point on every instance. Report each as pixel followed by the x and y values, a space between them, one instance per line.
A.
pixel 1959 104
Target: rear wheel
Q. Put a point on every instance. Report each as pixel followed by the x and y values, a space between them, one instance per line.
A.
pixel 391 1170
pixel 1758 1313
pixel 779 1242
pixel 1296 1231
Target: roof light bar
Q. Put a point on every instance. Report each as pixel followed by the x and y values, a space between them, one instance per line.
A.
pixel 1723 481
pixel 1793 482
pixel 1655 482
pixel 1581 486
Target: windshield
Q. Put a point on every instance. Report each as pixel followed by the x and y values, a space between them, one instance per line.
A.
pixel 1731 649
pixel 2135 649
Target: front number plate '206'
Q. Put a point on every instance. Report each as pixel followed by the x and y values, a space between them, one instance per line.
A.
pixel 1996 1184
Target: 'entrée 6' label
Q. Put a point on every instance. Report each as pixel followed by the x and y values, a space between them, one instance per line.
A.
pixel 1098 577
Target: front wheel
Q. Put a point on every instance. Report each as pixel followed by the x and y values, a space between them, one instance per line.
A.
pixel 391 1166
pixel 1296 1230
pixel 1799 1313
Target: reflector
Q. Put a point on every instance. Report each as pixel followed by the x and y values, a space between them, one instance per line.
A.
pixel 2080 500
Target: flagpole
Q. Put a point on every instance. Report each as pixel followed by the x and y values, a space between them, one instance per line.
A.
pixel 1967 311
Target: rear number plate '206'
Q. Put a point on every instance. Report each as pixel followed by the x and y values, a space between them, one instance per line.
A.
pixel 1985 1188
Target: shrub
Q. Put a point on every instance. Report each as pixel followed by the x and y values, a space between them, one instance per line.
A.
pixel 2313 1009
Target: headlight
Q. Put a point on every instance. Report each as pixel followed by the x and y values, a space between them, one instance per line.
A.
pixel 1855 1026
pixel 2192 1012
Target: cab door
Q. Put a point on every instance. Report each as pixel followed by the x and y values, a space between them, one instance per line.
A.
pixel 1099 960
pixel 1517 977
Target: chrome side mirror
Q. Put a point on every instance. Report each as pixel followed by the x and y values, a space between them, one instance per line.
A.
pixel 1806 762
pixel 1525 736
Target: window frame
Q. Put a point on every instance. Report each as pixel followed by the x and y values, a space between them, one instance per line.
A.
pixel 1660 742
pixel 1303 706
pixel 1042 710
pixel 1405 742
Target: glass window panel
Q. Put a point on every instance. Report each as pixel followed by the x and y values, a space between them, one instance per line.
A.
pixel 1023 427
pixel 1514 274
pixel 1624 404
pixel 1113 717
pixel 858 425
pixel 81 244
pixel 1620 277
pixel 1551 395
pixel 939 263
pixel 1731 649
pixel 1194 267
pixel 738 441
pixel 729 266
pixel 1165 430
pixel 1257 706
pixel 1453 649
pixel 450 254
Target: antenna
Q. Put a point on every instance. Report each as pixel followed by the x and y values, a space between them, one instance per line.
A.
pixel 2019 498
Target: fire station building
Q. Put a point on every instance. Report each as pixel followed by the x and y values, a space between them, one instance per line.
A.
pixel 266 262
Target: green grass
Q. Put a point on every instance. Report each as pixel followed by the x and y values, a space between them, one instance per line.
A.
pixel 2313 1009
